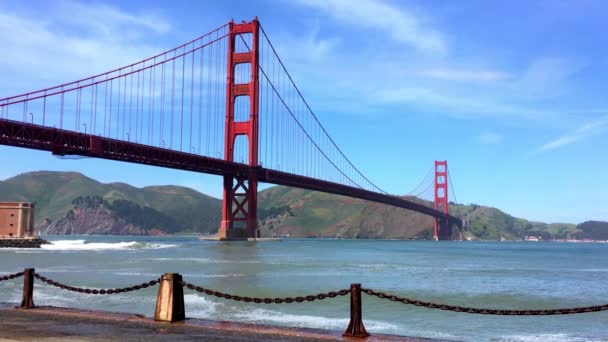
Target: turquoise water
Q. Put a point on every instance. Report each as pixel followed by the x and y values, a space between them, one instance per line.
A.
pixel 481 274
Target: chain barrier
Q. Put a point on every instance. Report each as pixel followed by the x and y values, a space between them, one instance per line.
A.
pixel 484 311
pixel 322 296
pixel 96 291
pixel 11 276
pixel 286 300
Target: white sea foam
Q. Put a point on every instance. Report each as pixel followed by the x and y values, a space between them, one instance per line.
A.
pixel 203 308
pixel 547 338
pixel 50 295
pixel 83 245
pixel 145 274
pixel 212 275
pixel 203 275
pixel 207 260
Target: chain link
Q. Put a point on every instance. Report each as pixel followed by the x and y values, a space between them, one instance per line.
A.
pixel 483 311
pixel 257 300
pixel 11 276
pixel 96 291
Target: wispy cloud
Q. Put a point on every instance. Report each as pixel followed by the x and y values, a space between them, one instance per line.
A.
pixel 543 71
pixel 490 138
pixel 109 20
pixel 72 40
pixel 452 74
pixel 582 132
pixel 455 104
pixel 351 75
pixel 308 49
pixel 402 25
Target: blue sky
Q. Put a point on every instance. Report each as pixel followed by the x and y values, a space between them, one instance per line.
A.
pixel 512 94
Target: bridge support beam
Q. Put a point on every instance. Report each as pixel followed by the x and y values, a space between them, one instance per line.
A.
pixel 444 229
pixel 239 206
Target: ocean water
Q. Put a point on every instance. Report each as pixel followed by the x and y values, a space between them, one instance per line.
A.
pixel 512 275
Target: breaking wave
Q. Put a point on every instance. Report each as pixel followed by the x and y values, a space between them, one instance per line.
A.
pixel 83 245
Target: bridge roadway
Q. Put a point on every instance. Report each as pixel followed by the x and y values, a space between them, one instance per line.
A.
pixel 65 142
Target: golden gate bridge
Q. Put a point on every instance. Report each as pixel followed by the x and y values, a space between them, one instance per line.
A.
pixel 223 104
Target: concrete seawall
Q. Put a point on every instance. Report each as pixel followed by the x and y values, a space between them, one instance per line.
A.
pixel 55 323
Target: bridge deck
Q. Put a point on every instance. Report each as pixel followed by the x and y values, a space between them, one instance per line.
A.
pixel 64 142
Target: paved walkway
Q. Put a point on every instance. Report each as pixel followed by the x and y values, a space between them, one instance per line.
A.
pixel 62 324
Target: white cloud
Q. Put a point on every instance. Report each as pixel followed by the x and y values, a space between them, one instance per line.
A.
pixel 466 75
pixel 454 103
pixel 546 70
pixel 109 20
pixel 353 76
pixel 490 138
pixel 532 83
pixel 307 49
pixel 70 41
pixel 582 132
pixel 403 26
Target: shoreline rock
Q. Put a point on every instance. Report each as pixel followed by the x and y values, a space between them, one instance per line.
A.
pixel 23 243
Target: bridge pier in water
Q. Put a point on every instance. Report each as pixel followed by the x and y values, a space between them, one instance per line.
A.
pixel 239 205
pixel 445 229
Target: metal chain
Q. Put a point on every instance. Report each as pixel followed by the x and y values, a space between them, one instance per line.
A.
pixel 483 311
pixel 11 276
pixel 96 291
pixel 286 300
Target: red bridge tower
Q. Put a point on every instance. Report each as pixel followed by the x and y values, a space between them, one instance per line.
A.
pixel 239 206
pixel 442 226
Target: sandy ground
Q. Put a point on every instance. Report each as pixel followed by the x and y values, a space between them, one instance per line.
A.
pixel 62 324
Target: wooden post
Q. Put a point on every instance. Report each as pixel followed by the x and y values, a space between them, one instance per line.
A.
pixel 355 327
pixel 28 289
pixel 170 299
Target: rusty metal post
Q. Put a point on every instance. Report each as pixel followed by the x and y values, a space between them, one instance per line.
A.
pixel 170 299
pixel 355 327
pixel 28 289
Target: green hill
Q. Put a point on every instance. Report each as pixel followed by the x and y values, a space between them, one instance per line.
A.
pixel 313 214
pixel 493 224
pixel 69 202
pixel 593 230
pixel 54 194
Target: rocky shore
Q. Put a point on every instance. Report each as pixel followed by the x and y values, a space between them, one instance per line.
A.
pixel 23 243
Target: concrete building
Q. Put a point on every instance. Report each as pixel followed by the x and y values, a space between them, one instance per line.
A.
pixel 16 220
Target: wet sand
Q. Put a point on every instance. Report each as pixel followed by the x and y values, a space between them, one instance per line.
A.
pixel 63 324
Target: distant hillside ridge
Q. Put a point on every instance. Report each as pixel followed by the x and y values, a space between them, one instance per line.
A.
pixel 62 207
pixel 306 213
pixel 592 230
pixel 71 203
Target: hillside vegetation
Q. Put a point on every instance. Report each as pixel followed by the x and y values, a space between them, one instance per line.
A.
pixel 313 214
pixel 71 203
pixel 62 196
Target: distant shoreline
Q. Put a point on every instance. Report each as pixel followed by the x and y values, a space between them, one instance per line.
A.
pixel 330 238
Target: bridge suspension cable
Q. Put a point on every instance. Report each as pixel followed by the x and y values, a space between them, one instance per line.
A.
pixel 314 135
pixel 451 186
pixel 147 102
pixel 423 184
